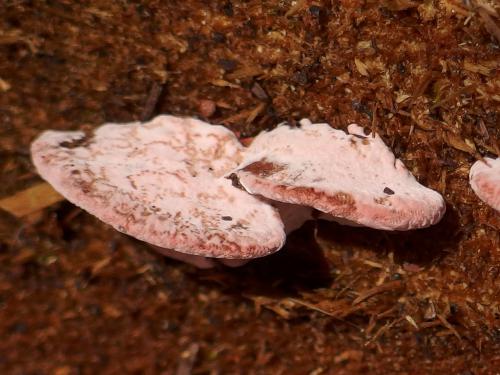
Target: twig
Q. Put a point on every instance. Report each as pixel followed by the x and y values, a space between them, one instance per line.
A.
pixel 319 309
pixel 391 285
pixel 449 326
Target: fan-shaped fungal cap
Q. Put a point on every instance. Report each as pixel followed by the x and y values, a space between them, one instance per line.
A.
pixel 162 182
pixel 484 179
pixel 353 177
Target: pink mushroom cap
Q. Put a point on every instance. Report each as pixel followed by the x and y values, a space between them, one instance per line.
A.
pixel 163 183
pixel 352 177
pixel 484 178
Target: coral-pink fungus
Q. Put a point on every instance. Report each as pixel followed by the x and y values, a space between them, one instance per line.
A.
pixel 193 191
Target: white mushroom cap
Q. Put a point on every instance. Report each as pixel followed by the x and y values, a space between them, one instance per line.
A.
pixel 484 178
pixel 353 177
pixel 162 182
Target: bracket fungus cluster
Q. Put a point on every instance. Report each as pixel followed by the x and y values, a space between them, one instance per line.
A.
pixel 194 192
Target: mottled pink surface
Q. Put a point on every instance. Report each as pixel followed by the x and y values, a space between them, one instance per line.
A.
pixel 200 261
pixel 162 182
pixel 352 177
pixel 485 181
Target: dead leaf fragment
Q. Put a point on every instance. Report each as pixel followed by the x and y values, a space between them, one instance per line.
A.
pixel 31 200
pixel 477 68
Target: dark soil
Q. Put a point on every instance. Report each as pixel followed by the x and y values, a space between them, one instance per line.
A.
pixel 76 297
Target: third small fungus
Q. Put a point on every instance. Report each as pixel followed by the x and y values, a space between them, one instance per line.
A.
pixel 484 179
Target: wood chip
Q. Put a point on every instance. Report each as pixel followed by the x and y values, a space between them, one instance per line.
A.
pixel 401 97
pixel 282 307
pixel 224 83
pixel 296 8
pixel 349 355
pixel 361 67
pixel 477 68
pixel 255 112
pixel 259 92
pixel 245 72
pixel 4 85
pixel 412 322
pixel 489 24
pixel 31 200
pixel 100 265
pixel 111 311
pixel 247 115
pixel 373 264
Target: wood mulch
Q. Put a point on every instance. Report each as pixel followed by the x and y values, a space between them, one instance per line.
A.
pixel 76 297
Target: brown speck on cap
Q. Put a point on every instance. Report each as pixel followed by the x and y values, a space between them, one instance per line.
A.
pixel 82 141
pixel 233 177
pixel 388 191
pixel 263 168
